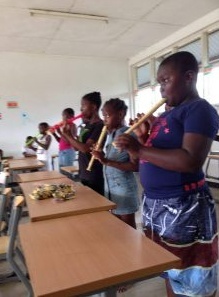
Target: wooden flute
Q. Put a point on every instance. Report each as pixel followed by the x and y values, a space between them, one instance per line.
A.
pixel 149 113
pixel 133 127
pixel 98 146
pixel 62 123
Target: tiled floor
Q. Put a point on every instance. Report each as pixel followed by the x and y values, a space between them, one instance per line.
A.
pixel 149 288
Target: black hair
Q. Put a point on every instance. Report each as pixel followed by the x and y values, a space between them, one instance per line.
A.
pixel 29 137
pixel 69 111
pixel 94 98
pixel 117 104
pixel 183 61
pixel 44 125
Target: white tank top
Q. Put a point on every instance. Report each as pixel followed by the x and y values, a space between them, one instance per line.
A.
pixel 42 154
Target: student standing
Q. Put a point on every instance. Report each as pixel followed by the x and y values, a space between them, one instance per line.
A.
pixel 89 134
pixel 178 209
pixel 43 143
pixel 120 183
pixel 66 151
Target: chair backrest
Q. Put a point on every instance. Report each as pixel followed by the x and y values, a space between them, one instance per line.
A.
pixel 3 177
pixel 13 223
pixel 3 200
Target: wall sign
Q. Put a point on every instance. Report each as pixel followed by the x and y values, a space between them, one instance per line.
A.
pixel 12 104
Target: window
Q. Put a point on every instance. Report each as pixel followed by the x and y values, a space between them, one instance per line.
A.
pixel 211 85
pixel 143 75
pixel 213 46
pixel 200 84
pixel 143 100
pixel 194 48
pixel 159 60
pixel 128 115
pixel 146 99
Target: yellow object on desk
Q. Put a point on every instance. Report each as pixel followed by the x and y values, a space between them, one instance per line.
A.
pixel 60 192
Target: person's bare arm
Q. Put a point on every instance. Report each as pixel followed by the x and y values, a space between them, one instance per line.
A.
pixel 189 158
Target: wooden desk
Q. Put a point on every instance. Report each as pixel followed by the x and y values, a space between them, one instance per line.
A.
pixel 70 169
pixel 85 201
pixel 24 164
pixel 36 176
pixel 88 253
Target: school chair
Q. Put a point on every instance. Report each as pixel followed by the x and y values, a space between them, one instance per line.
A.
pixel 3 225
pixel 70 171
pixel 5 201
pixel 9 248
pixel 213 156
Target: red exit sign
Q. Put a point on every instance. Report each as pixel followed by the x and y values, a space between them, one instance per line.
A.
pixel 12 104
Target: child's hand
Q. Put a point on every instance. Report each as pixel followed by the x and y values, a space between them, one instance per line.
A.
pixel 99 156
pixel 128 143
pixel 143 128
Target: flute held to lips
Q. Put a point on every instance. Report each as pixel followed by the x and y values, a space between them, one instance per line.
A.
pixel 133 127
pixel 98 146
pixel 149 113
pixel 62 123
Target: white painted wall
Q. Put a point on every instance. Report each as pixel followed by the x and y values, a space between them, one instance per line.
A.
pixel 44 85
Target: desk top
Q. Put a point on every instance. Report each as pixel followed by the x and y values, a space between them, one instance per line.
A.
pixel 86 200
pixel 82 254
pixel 26 163
pixel 36 176
pixel 70 169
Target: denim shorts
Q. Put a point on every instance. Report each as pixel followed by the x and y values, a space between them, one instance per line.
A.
pixel 66 157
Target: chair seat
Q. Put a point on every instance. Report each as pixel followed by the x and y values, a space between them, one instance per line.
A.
pixel 3 226
pixel 4 241
pixel 7 192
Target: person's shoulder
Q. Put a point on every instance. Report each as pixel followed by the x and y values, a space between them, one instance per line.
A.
pixel 98 124
pixel 122 129
pixel 203 104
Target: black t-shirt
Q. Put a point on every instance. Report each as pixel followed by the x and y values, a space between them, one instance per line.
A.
pixel 90 131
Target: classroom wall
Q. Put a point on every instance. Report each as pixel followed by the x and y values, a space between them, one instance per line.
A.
pixel 44 85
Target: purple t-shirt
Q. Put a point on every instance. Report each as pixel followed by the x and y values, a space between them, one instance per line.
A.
pixel 167 133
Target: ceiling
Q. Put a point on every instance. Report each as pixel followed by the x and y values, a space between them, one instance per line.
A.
pixel 133 25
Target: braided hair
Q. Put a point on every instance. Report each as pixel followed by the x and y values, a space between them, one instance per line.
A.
pixel 117 105
pixel 94 98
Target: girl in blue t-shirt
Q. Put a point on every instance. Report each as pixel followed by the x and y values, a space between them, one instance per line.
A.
pixel 178 209
pixel 119 181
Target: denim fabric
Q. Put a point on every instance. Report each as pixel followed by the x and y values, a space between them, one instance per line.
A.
pixel 195 281
pixel 66 157
pixel 120 186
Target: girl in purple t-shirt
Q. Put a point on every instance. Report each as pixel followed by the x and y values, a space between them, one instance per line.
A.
pixel 178 209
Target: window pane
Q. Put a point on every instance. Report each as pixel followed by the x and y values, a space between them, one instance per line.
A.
pixel 128 114
pixel 143 75
pixel 146 99
pixel 194 48
pixel 143 100
pixel 200 84
pixel 159 60
pixel 213 46
pixel 212 86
